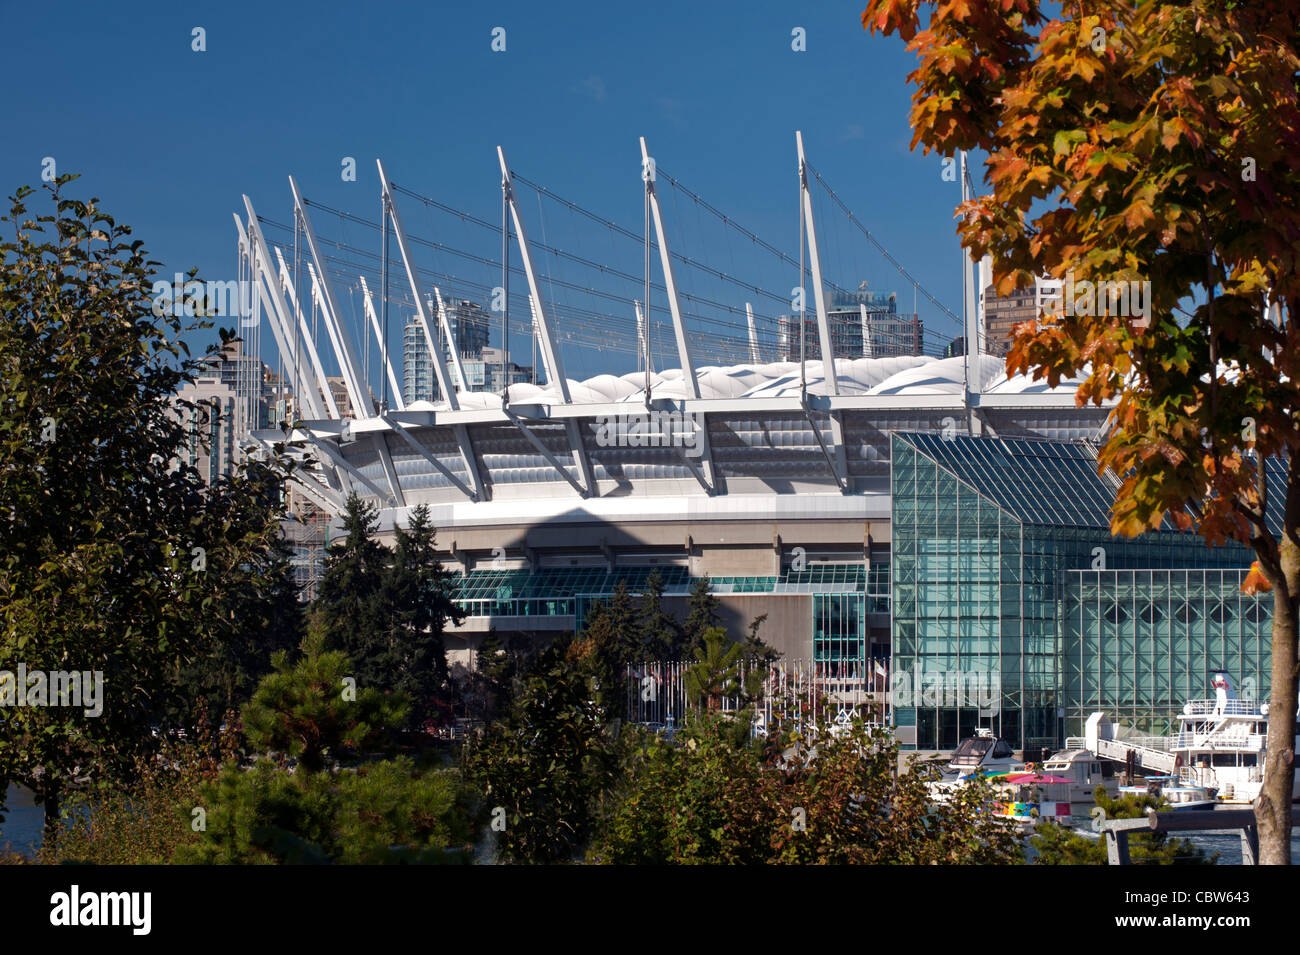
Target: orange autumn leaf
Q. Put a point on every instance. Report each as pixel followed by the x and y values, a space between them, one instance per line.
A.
pixel 1255 582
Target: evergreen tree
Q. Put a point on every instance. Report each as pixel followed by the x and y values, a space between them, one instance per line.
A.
pixel 351 602
pixel 609 642
pixel 662 637
pixel 418 595
pixel 317 709
pixel 716 671
pixel 703 613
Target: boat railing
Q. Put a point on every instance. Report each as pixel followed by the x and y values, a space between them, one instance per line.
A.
pixel 1225 708
pixel 1245 742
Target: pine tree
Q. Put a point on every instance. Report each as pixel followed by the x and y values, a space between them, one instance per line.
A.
pixel 351 601
pixel 417 597
pixel 703 613
pixel 662 637
pixel 716 671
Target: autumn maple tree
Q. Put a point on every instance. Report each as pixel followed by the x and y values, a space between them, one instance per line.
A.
pixel 1149 142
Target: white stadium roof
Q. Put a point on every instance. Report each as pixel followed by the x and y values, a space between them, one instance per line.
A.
pixel 901 376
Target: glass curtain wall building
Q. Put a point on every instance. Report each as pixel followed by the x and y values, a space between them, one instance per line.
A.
pixel 983 529
pixel 1139 643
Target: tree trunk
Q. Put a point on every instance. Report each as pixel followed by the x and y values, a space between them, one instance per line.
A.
pixel 51 804
pixel 1273 807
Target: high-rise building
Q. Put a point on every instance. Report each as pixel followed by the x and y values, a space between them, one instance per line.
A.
pixel 486 373
pixel 469 324
pixel 211 411
pixel 246 375
pixel 882 332
pixel 1001 314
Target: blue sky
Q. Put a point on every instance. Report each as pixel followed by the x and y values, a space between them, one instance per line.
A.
pixel 170 138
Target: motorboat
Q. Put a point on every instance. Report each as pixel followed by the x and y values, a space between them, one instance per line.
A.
pixel 982 753
pixel 1084 771
pixel 1180 796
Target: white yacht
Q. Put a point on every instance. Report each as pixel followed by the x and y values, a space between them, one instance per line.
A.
pixel 982 753
pixel 1178 794
pixel 1085 771
pixel 1221 744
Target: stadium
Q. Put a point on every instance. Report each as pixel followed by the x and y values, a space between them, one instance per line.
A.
pixel 774 478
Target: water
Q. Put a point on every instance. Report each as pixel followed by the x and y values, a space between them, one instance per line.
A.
pixel 1228 845
pixel 24 821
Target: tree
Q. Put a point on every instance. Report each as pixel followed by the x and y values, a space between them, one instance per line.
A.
pixel 544 768
pixel 115 557
pixel 702 613
pixel 418 597
pixel 716 672
pixel 259 622
pixel 608 643
pixel 350 603
pixel 712 797
pixel 1154 143
pixel 388 608
pixel 387 812
pixel 662 637
pixel 689 800
pixel 316 708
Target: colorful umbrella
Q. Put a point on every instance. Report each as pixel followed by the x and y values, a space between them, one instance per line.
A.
pixel 1035 778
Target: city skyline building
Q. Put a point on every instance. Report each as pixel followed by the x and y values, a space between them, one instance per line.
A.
pixel 1001 314
pixel 863 324
pixel 470 328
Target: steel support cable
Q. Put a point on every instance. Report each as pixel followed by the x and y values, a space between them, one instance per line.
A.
pixel 727 341
pixel 604 269
pixel 727 220
pixel 599 323
pixel 880 248
pixel 615 227
pixel 735 328
pixel 581 260
pixel 599 333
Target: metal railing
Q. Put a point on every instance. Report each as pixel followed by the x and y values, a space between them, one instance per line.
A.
pixel 1117 831
pixel 1226 708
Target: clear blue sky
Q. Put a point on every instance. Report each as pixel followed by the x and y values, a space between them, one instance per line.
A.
pixel 170 138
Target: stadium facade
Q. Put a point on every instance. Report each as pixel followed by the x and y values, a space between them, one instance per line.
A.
pixel 912 515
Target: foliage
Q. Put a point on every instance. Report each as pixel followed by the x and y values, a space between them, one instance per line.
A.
pixel 708 797
pixel 703 613
pixel 715 673
pixel 609 641
pixel 1149 142
pixel 662 637
pixel 1057 845
pixel 387 609
pixel 146 820
pixel 310 710
pixel 350 600
pixel 690 800
pixel 543 769
pixel 487 689
pixel 381 813
pixel 418 591
pixel 101 522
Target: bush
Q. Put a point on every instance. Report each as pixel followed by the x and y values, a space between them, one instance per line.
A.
pixel 381 813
